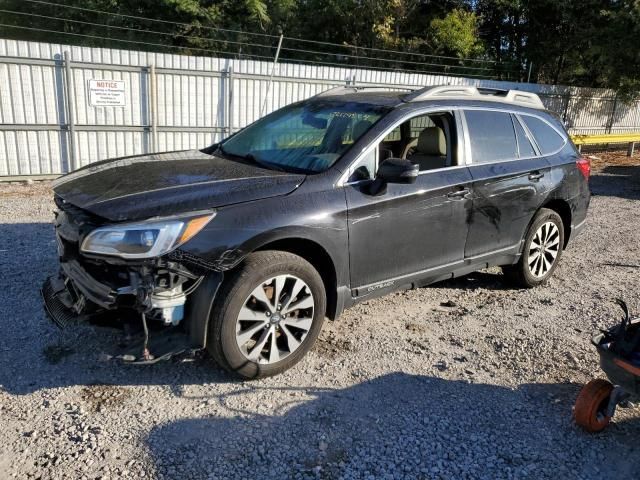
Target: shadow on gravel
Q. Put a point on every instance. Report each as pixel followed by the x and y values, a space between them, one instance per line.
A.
pixel 485 280
pixel 400 426
pixel 617 181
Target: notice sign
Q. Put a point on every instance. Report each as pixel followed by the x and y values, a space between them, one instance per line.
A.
pixel 107 93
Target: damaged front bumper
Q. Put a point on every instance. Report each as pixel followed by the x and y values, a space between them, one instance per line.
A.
pixel 65 295
pixel 60 303
pixel 158 290
pixel 84 284
pixel 74 296
pixel 174 292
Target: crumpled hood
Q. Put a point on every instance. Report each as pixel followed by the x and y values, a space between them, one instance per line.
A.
pixel 145 186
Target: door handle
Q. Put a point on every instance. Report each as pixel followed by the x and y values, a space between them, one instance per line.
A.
pixel 458 194
pixel 535 176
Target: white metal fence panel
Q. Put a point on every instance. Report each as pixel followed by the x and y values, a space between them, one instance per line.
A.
pixel 93 145
pixel 174 102
pixel 24 98
pixel 626 118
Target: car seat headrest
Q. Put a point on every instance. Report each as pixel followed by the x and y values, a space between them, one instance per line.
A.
pixel 432 141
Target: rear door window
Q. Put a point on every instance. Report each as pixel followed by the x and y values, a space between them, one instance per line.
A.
pixel 525 149
pixel 491 135
pixel 547 138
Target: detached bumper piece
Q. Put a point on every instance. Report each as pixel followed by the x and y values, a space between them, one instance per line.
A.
pixel 99 293
pixel 66 295
pixel 59 303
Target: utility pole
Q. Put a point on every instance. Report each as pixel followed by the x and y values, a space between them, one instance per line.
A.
pixel 273 70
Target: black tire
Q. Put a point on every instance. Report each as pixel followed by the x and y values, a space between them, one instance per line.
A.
pixel 258 267
pixel 520 274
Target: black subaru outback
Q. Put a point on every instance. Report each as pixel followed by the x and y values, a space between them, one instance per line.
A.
pixel 244 247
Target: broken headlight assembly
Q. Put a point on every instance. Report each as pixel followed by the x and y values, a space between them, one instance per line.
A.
pixel 147 239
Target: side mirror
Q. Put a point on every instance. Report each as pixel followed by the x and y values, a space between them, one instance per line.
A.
pixel 392 170
pixel 397 170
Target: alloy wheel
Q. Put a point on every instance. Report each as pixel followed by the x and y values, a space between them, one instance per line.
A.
pixel 275 319
pixel 543 249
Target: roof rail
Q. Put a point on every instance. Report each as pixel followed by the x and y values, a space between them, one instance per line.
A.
pixel 519 97
pixel 441 91
pixel 356 88
pixel 524 98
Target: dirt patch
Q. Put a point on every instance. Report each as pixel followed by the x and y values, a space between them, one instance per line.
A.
pixel 415 327
pixel 330 345
pixel 25 189
pixel 102 397
pixel 601 160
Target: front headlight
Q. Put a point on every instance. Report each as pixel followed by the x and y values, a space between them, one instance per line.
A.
pixel 145 239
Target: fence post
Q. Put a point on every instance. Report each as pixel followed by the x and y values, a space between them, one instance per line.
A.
pixel 153 96
pixel 70 97
pixel 229 100
pixel 613 114
pixel 567 100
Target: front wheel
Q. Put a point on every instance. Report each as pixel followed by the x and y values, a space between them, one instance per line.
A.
pixel 268 314
pixel 541 252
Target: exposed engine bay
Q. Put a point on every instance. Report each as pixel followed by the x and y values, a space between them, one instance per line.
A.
pixel 154 289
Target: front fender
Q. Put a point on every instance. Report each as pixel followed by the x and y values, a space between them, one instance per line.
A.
pixel 238 230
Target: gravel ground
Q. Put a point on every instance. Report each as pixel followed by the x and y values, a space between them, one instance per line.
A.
pixel 464 379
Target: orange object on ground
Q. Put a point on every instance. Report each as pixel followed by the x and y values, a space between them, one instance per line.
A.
pixel 591 405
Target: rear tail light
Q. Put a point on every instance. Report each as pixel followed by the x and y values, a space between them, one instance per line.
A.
pixel 584 165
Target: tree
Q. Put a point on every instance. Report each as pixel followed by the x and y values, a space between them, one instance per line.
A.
pixel 578 42
pixel 618 53
pixel 594 43
pixel 457 34
pixel 502 28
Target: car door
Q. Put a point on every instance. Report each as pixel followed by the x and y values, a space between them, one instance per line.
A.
pixel 509 180
pixel 409 229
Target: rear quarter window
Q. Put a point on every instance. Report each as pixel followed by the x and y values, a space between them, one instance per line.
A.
pixel 546 137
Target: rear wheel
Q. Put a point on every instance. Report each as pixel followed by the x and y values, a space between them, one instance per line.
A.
pixel 269 314
pixel 591 406
pixel 541 253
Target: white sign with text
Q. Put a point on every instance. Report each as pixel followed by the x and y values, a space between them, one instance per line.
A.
pixel 107 93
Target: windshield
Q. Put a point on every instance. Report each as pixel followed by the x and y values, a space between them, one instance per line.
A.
pixel 304 137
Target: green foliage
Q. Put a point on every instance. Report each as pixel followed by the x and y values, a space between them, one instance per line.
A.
pixel 592 43
pixel 257 10
pixel 578 42
pixel 457 34
pixel 619 50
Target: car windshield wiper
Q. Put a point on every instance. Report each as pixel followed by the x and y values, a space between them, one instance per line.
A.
pixel 263 163
pixel 252 158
